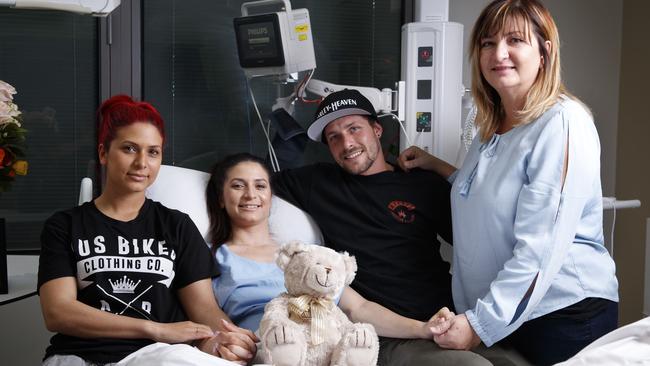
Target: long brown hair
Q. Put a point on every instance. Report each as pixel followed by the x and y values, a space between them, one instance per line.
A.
pixel 220 226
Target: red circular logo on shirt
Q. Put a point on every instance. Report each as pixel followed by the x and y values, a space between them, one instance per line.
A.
pixel 402 211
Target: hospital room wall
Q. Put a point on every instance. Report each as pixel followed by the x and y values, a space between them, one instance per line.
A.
pixel 604 62
pixel 632 167
pixel 593 54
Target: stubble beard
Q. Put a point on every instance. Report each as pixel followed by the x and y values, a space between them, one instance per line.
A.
pixel 360 169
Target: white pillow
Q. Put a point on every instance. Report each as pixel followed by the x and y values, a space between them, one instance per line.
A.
pixel 184 189
pixel 288 223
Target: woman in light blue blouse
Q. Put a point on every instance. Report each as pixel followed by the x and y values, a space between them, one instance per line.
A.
pixel 530 268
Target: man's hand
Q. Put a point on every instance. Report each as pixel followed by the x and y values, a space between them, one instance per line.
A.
pixel 459 335
pixel 439 323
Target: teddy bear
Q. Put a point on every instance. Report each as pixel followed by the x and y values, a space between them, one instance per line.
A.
pixel 304 326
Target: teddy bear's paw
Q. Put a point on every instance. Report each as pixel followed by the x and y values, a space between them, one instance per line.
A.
pixel 285 345
pixel 359 346
pixel 287 355
pixel 361 336
pixel 282 334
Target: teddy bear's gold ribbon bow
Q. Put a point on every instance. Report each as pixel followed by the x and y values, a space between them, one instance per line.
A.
pixel 307 307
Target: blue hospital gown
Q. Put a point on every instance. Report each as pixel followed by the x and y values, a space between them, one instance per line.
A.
pixel 245 286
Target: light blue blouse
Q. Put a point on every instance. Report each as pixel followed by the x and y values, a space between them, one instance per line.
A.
pixel 245 286
pixel 514 222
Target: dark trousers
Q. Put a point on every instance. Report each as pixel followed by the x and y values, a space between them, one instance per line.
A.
pixel 554 338
pixel 423 352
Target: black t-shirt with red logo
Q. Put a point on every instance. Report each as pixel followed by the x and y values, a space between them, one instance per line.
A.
pixel 129 268
pixel 389 222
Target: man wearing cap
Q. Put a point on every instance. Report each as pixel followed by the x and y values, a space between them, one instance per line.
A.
pixel 388 219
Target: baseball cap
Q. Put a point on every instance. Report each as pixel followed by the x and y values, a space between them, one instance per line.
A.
pixel 339 104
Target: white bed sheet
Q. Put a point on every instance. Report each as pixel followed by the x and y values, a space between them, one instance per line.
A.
pixel 628 345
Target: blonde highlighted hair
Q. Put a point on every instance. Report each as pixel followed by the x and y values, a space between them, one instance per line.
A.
pixel 547 87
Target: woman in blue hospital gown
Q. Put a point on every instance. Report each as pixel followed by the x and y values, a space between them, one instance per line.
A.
pixel 530 268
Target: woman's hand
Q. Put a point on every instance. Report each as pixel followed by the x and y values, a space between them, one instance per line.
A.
pixel 179 332
pixel 219 346
pixel 237 342
pixel 233 328
pixel 233 344
pixel 414 157
pixel 459 335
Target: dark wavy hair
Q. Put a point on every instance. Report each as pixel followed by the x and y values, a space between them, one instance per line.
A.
pixel 220 225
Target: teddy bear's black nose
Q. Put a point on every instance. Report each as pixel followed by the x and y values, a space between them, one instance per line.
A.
pixel 328 270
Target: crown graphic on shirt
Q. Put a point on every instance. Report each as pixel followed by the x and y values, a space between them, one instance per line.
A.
pixel 123 285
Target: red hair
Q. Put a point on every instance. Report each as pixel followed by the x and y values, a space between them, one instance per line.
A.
pixel 121 110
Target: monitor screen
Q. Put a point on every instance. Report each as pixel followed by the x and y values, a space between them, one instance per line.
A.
pixel 259 41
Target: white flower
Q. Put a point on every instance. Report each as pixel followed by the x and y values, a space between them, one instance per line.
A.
pixel 8 112
pixel 8 109
pixel 6 92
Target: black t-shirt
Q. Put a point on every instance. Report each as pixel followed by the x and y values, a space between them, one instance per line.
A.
pixel 130 268
pixel 389 222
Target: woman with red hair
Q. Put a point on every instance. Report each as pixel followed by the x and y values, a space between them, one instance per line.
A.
pixel 122 272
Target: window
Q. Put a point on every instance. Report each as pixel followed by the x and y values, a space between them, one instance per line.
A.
pixel 51 59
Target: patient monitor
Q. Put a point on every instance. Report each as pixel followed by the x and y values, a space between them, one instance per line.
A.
pixel 278 43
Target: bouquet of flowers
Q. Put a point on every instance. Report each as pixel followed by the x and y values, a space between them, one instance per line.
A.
pixel 12 138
